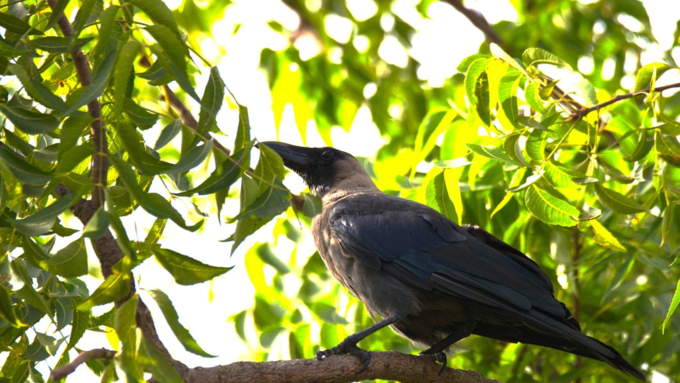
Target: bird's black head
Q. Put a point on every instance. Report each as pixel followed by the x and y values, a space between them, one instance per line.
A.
pixel 322 169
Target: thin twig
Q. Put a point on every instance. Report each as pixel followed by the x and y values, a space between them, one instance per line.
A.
pixel 84 357
pixel 583 112
pixel 478 20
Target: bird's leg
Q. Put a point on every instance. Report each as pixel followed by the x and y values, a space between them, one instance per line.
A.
pixel 437 350
pixel 349 345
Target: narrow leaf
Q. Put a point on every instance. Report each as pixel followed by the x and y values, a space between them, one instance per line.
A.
pixel 186 270
pixel 29 121
pixel 180 331
pixel 617 201
pixel 42 221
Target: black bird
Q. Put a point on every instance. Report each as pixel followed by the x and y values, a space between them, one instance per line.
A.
pixel 432 281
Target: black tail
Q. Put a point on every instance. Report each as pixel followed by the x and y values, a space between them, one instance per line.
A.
pixel 572 341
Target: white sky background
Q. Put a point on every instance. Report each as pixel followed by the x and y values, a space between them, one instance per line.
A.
pixel 237 58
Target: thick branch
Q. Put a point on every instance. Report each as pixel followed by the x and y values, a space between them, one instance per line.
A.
pixel 84 357
pixel 478 20
pixel 579 114
pixel 390 365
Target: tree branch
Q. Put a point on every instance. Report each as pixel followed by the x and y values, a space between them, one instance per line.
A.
pixel 84 357
pixel 390 365
pixel 579 114
pixel 100 165
pixel 478 20
pixel 106 247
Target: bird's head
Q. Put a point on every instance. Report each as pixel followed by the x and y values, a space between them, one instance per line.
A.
pixel 324 170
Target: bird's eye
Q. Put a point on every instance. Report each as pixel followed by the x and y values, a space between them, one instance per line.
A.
pixel 327 155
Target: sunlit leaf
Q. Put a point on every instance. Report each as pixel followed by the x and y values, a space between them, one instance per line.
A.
pixel 645 74
pixel 549 208
pixel 605 238
pixel 535 56
pixel 186 270
pixel 42 221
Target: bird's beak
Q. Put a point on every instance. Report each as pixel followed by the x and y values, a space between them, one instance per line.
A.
pixel 294 157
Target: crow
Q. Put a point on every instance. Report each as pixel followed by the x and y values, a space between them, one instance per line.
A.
pixel 432 281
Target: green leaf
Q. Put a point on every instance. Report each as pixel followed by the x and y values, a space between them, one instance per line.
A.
pixel 617 201
pixel 547 90
pixel 37 90
pixel 114 288
pixel 507 91
pixel 25 173
pixel 532 98
pixel 88 11
pixel 674 305
pixel 224 175
pixel 155 231
pixel 177 74
pixel 29 121
pixel 492 152
pixel 243 131
pixel 212 101
pixel 159 13
pixel 69 262
pixel 71 131
pixel 156 363
pixel 531 123
pixel 97 225
pixel 535 56
pixel 59 44
pixel 172 45
pixel 472 76
pixel 153 203
pixel 613 172
pixel 528 182
pixel 437 197
pixel 16 25
pixel 100 78
pixel 588 92
pixel 666 145
pixel 643 147
pixel 27 292
pixel 500 53
pixel 549 208
pixel 140 158
pixel 605 238
pixel 6 311
pixel 192 158
pixel 73 158
pixel 42 221
pixel 560 176
pixel 272 202
pixel 81 321
pixel 125 322
pixel 169 132
pixel 645 75
pixel 122 72
pixel 141 117
pixel 172 318
pixel 513 150
pixel 187 271
pixel 464 65
pixel 57 12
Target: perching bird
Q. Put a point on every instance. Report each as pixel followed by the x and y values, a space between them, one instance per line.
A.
pixel 432 281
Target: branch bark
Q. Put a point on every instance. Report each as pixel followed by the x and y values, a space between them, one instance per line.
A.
pixel 579 114
pixel 389 365
pixel 84 357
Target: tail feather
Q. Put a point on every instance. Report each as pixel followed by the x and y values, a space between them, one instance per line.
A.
pixel 571 341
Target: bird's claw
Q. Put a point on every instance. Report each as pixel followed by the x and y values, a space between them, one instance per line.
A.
pixel 440 357
pixel 347 348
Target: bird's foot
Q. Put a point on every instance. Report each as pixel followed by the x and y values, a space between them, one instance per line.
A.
pixel 347 347
pixel 439 357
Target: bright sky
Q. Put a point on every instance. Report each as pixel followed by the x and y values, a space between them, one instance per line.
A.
pixel 237 58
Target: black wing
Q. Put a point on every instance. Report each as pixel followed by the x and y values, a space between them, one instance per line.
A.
pixel 436 252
